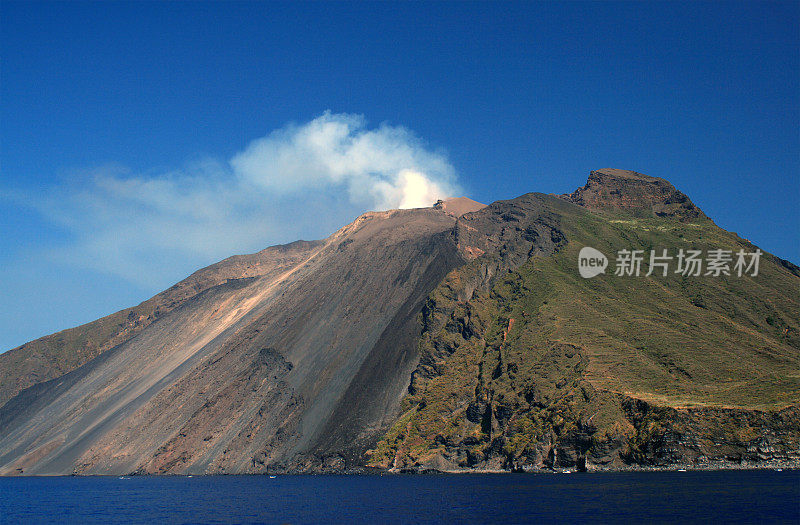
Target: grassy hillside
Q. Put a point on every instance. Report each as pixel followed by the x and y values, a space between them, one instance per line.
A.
pixel 545 363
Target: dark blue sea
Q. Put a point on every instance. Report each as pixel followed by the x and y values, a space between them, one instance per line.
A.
pixel 665 497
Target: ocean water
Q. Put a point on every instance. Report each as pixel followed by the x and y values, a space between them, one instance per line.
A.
pixel 661 497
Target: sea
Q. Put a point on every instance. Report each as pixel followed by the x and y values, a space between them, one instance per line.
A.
pixel 733 496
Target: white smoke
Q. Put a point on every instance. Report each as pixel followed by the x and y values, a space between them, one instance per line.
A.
pixel 301 181
pixel 387 167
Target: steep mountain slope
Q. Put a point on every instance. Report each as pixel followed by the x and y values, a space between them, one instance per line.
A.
pixel 539 367
pixel 54 355
pixel 248 374
pixel 452 337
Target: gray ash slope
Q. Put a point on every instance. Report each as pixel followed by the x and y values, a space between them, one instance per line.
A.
pixel 270 363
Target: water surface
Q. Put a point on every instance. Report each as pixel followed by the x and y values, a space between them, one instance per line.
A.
pixel 729 496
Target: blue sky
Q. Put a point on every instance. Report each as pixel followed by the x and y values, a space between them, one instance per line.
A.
pixel 143 141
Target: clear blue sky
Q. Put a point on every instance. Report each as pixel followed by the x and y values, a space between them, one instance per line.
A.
pixel 124 125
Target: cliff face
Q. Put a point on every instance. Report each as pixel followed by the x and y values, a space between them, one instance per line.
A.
pixel 613 190
pixel 453 337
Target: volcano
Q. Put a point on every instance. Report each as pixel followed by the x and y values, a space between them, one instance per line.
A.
pixel 459 337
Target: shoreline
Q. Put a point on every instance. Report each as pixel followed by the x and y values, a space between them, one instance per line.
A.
pixel 791 466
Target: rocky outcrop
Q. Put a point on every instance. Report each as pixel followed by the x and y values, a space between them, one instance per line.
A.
pixel 458 206
pixel 613 189
pixel 653 438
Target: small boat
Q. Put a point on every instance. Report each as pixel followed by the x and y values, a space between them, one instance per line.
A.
pixel 273 477
pixel 681 470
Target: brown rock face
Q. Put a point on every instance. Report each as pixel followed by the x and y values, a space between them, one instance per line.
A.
pixel 614 189
pixel 459 206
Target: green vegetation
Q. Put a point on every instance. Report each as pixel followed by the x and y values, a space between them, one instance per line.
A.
pixel 544 359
